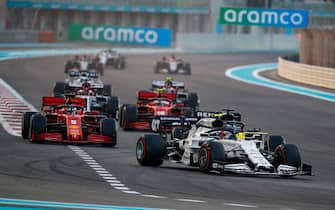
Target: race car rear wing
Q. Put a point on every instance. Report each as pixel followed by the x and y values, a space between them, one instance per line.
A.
pixel 145 95
pixel 166 123
pixel 48 101
pixel 225 114
pixel 161 83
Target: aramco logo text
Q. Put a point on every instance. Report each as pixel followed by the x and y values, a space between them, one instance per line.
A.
pixel 264 17
pixel 115 34
pixel 119 35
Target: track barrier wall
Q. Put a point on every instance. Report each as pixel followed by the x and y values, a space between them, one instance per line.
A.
pixel 318 47
pixel 307 74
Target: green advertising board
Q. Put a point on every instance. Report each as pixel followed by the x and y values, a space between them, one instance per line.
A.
pixel 114 34
pixel 264 17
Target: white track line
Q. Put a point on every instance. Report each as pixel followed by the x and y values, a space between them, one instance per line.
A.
pixel 240 205
pixel 101 171
pixel 153 196
pixel 190 200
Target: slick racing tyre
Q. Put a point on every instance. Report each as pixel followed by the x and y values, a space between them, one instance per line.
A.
pixel 192 101
pixel 150 150
pixel 38 125
pixel 25 127
pixel 187 69
pixel 129 115
pixel 211 157
pixel 59 89
pixel 108 128
pixel 112 107
pixel 107 90
pixel 287 154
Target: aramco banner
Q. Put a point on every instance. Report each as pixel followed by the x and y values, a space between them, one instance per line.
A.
pixel 123 35
pixel 264 17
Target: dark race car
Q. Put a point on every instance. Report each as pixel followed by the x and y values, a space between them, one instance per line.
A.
pixel 66 120
pixel 149 106
pixel 182 96
pixel 77 79
pixel 172 65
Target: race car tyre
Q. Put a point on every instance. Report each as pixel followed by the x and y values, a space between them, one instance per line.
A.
pixel 150 150
pixel 192 101
pixel 112 107
pixel 38 125
pixel 118 64
pixel 100 68
pixel 121 114
pixel 129 115
pixel 123 63
pixel 211 157
pixel 157 67
pixel 178 133
pixel 107 90
pixel 25 127
pixel 287 154
pixel 274 142
pixel 187 69
pixel 68 66
pixel 108 128
pixel 59 89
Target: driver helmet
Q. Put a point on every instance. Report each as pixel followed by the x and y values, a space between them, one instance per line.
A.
pixel 81 92
pixel 86 85
pixel 68 101
pixel 91 93
pixel 168 82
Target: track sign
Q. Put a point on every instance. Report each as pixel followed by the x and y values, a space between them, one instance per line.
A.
pixel 264 17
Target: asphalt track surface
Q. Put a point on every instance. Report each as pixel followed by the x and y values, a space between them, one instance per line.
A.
pixel 53 172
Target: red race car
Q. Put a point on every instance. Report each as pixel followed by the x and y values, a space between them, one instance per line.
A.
pixel 66 120
pixel 149 106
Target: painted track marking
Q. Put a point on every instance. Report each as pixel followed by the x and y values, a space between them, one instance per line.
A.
pixel 102 172
pixel 113 181
pixel 240 205
pixel 21 202
pixel 250 74
pixel 12 107
pixel 190 200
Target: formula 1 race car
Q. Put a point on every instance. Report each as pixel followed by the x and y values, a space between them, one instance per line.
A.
pixel 77 79
pixel 213 144
pixel 182 96
pixel 112 58
pixel 69 122
pixel 105 104
pixel 84 63
pixel 172 65
pixel 149 106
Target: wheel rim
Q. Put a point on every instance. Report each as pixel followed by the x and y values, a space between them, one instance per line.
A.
pixel 203 157
pixel 140 150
